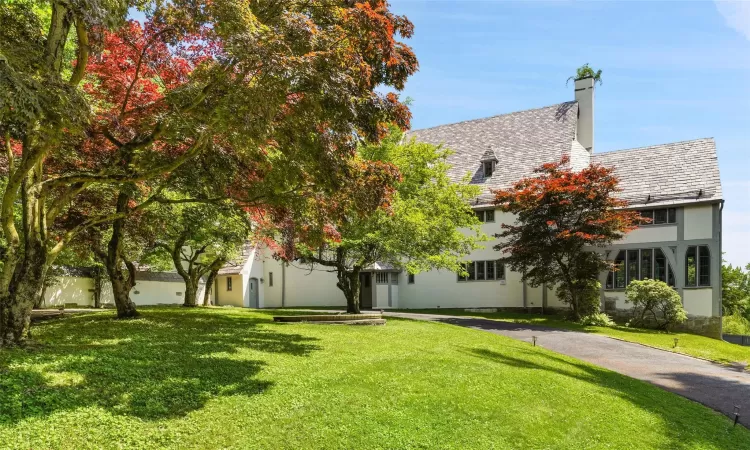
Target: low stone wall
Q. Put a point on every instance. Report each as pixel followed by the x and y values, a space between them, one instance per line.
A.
pixel 705 326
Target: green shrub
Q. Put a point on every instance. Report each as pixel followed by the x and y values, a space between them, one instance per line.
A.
pixel 597 320
pixel 736 324
pixel 655 304
pixel 588 295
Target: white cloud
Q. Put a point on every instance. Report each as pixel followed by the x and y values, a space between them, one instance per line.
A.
pixel 736 14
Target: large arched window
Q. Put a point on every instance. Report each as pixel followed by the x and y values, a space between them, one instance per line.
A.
pixel 639 264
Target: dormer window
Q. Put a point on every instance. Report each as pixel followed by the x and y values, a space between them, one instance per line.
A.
pixel 488 160
pixel 488 168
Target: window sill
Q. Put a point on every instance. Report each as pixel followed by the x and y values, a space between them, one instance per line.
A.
pixel 697 287
pixel 657 225
pixel 502 281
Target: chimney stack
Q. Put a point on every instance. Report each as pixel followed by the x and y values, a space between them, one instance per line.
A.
pixel 585 97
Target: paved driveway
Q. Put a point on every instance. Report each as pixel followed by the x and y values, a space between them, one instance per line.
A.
pixel 716 386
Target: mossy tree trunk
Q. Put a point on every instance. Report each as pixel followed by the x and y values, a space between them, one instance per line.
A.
pixel 113 260
pixel 348 282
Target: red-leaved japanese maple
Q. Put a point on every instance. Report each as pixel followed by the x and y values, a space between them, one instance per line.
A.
pixel 270 97
pixel 562 217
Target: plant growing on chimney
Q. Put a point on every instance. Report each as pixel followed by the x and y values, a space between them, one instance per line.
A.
pixel 585 71
pixel 563 216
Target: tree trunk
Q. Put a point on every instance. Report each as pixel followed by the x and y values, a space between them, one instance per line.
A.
pixel 191 292
pixel 26 286
pixel 97 287
pixel 113 261
pixel 27 280
pixel 349 284
pixel 209 287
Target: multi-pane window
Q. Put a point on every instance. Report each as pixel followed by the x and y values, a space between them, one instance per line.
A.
pixel 394 278
pixel 487 215
pixel 382 277
pixel 698 266
pixel 639 264
pixel 659 216
pixel 483 270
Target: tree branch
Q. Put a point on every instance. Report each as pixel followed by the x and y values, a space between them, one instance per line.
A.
pixel 83 53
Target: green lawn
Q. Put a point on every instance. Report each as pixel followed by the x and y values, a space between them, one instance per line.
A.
pixel 231 378
pixel 688 344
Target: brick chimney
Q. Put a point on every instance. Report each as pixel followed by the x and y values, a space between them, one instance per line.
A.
pixel 584 92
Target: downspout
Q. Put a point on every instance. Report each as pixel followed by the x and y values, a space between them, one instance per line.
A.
pixel 283 284
pixel 721 279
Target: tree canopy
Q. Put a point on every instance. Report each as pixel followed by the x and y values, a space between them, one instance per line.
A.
pixel 419 229
pixel 562 218
pixel 246 88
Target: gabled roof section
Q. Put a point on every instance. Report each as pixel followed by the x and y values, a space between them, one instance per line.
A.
pixel 236 265
pixel 489 155
pixel 667 174
pixel 521 141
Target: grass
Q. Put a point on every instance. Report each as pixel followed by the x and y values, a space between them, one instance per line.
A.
pixel 688 344
pixel 231 378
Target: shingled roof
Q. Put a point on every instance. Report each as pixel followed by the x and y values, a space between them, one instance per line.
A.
pixel 521 141
pixel 667 174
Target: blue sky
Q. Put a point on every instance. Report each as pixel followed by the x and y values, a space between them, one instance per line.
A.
pixel 672 71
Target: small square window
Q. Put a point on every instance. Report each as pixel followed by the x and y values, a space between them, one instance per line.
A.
pixel 660 216
pixel 489 215
pixel 672 215
pixel 480 215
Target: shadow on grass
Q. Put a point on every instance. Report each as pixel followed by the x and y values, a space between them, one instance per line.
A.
pixel 641 394
pixel 163 365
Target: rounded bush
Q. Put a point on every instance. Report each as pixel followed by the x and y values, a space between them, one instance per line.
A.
pixel 655 304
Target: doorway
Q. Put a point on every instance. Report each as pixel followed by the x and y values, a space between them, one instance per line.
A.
pixel 254 293
pixel 365 290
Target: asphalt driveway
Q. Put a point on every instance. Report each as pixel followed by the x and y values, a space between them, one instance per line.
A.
pixel 716 386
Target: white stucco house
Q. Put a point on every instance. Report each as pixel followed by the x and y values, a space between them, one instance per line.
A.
pixel 676 184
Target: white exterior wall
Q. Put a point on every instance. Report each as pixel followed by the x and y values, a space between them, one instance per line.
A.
pixel 78 290
pixel 653 233
pixel 311 288
pixel 698 302
pixel 255 269
pixel 381 296
pixel 698 222
pixel 271 295
pixel 161 293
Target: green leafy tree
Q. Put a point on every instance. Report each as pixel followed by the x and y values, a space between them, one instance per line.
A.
pixel 199 239
pixel 655 303
pixel 417 230
pixel 735 290
pixel 562 218
pixel 282 82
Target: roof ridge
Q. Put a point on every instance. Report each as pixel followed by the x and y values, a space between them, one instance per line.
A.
pixel 493 116
pixel 653 146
